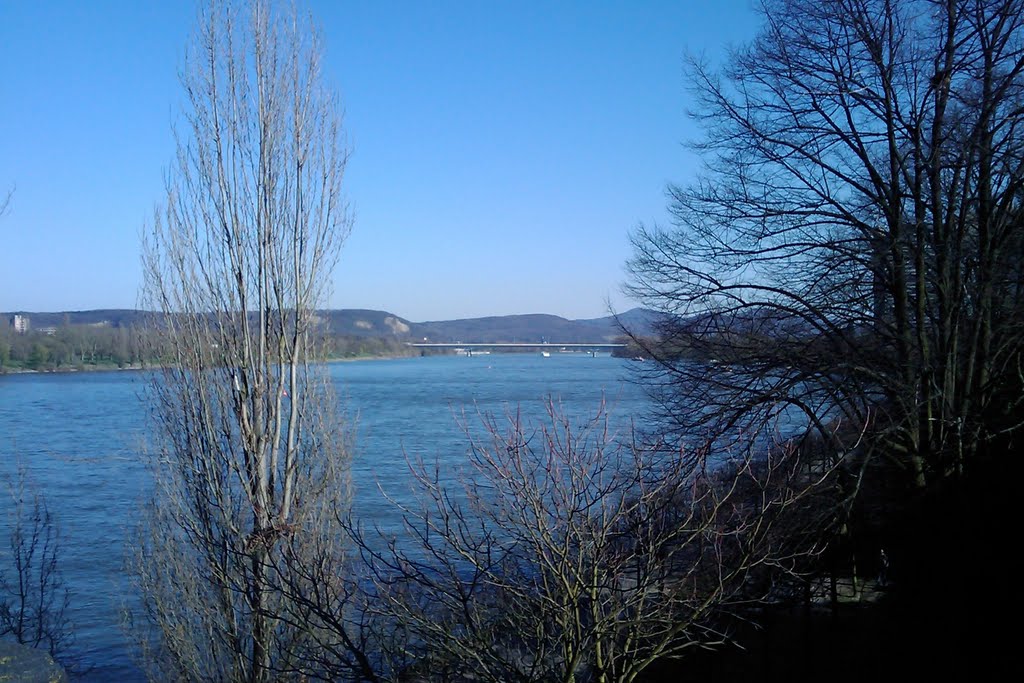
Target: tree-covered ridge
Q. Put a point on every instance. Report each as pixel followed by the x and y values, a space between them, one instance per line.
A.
pixel 108 338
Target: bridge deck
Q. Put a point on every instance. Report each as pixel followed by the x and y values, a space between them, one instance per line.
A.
pixel 514 345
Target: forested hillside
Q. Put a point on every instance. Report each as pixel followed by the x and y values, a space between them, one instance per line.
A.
pixel 113 337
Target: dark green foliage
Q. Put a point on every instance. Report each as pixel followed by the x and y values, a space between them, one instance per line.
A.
pixel 344 346
pixel 70 347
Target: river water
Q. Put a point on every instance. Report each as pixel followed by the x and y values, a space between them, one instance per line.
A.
pixel 78 437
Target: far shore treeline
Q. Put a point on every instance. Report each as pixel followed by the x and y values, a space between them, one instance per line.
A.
pixel 117 338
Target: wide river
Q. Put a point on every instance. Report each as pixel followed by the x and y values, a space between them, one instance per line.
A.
pixel 78 436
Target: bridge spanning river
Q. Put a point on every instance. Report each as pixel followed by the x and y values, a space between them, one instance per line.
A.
pixel 588 346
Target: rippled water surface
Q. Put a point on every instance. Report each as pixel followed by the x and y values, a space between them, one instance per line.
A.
pixel 78 436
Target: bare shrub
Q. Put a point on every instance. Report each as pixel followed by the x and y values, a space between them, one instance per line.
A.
pixel 566 553
pixel 33 597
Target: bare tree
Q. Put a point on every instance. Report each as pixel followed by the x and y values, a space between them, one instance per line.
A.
pixel 248 457
pixel 33 598
pixel 851 254
pixel 566 554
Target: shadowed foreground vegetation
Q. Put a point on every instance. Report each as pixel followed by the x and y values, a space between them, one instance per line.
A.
pixel 850 253
pixel 945 606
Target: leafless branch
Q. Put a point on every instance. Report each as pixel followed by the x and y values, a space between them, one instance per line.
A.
pixel 566 553
pixel 250 465
pixel 33 597
pixel 852 248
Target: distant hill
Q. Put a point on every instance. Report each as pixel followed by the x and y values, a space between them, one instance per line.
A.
pixel 357 322
pixel 763 321
pixel 640 321
pixel 532 328
pixel 113 317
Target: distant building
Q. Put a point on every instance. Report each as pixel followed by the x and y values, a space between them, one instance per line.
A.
pixel 19 323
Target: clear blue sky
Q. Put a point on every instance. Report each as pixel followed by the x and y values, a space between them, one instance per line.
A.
pixel 502 152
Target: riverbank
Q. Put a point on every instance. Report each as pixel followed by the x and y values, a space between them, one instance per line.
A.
pixel 71 369
pixel 141 366
pixel 28 665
